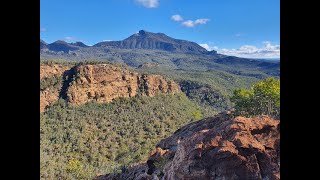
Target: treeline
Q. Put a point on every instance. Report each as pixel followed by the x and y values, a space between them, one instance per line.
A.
pixel 84 62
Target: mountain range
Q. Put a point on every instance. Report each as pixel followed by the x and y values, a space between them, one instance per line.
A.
pixel 140 40
pixel 147 47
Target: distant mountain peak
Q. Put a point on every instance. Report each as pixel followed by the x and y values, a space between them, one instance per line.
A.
pixel 43 42
pixel 80 44
pixel 142 32
pixel 61 45
pixel 140 40
pixel 155 41
pixel 59 42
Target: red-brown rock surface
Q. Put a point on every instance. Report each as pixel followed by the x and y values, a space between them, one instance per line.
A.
pixel 104 83
pixel 47 97
pixel 154 84
pixel 221 147
pixel 51 70
pixel 101 83
pixel 50 94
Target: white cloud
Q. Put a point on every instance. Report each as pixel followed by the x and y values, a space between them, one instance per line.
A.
pixel 201 21
pixel 248 49
pixel 190 23
pixel 269 46
pixel 206 46
pixel 177 18
pixel 268 50
pixel 107 40
pixel 69 38
pixel 149 3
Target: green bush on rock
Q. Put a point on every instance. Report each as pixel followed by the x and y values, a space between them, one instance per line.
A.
pixel 262 99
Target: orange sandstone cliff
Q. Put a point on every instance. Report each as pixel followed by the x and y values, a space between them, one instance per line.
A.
pixel 101 83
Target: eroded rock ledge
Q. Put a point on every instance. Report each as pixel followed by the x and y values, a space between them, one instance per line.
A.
pixel 221 147
pixel 100 82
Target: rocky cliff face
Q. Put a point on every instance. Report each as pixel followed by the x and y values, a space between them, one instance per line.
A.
pixel 221 147
pixel 47 97
pixel 50 94
pixel 101 83
pixel 47 71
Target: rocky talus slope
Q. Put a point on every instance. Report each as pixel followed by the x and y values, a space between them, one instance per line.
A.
pixel 221 147
pixel 100 83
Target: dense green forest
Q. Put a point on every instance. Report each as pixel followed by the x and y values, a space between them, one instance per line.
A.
pixel 91 139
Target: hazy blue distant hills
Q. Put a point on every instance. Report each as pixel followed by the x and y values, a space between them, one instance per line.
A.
pixel 267 59
pixel 43 45
pixel 62 46
pixel 79 44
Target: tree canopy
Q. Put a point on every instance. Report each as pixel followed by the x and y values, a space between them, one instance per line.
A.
pixel 263 98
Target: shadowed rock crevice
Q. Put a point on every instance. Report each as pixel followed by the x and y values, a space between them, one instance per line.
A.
pixel 264 130
pixel 67 77
pixel 151 167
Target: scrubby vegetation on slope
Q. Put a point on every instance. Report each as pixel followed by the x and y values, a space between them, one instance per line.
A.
pixel 210 89
pixel 81 142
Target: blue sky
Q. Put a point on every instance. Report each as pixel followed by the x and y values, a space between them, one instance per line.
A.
pixel 247 28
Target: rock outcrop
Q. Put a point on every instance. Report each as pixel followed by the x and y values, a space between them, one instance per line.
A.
pixel 50 95
pixel 47 71
pixel 221 147
pixel 101 83
pixel 47 97
pixel 104 83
